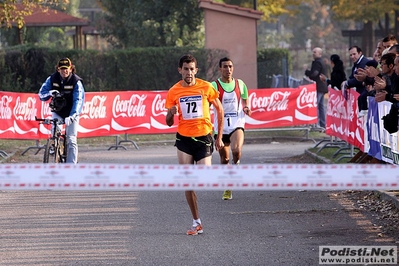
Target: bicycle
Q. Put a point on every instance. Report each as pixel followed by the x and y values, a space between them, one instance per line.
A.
pixel 56 145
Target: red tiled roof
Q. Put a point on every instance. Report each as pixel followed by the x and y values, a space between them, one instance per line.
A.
pixel 53 18
pixel 242 11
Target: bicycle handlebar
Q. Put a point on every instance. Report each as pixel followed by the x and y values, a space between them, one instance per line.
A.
pixel 48 121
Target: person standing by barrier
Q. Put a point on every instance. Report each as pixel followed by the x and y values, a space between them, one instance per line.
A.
pixel 359 61
pixel 391 92
pixel 394 49
pixel 378 51
pixel 233 94
pixel 190 98
pixel 389 76
pixel 338 74
pixel 388 42
pixel 318 67
pixel 70 86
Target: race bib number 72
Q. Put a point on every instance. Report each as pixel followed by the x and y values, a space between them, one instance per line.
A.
pixel 191 107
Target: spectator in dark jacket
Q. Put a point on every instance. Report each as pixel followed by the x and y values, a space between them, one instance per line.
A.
pixel 368 82
pixel 359 61
pixel 318 68
pixel 338 74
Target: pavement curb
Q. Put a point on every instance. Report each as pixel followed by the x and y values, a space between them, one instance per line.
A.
pixel 317 157
pixel 391 196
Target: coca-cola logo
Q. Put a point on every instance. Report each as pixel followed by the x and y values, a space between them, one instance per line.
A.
pixel 5 109
pixel 277 101
pixel 46 111
pixel 337 107
pixel 133 107
pixel 95 108
pixel 158 105
pixel 25 110
pixel 306 99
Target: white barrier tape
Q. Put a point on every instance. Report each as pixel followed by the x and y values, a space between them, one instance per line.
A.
pixel 198 177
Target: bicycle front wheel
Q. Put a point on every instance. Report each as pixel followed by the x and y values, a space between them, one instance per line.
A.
pixel 62 150
pixel 58 152
pixel 48 150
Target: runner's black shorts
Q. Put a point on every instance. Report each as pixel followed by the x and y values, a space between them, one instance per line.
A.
pixel 226 137
pixel 198 147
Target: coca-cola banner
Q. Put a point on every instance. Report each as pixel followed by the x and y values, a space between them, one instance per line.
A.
pixel 143 112
pixel 17 113
pixel 342 118
pixel 273 108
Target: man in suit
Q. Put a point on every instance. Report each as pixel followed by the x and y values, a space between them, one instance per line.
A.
pixel 318 68
pixel 359 61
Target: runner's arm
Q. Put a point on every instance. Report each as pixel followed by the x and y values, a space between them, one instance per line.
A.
pixel 220 115
pixel 170 115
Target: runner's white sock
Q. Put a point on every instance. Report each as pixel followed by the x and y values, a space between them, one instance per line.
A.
pixel 196 222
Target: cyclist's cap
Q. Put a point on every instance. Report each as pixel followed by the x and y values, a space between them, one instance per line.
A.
pixel 65 63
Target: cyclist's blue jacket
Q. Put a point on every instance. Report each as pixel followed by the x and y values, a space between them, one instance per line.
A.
pixel 72 89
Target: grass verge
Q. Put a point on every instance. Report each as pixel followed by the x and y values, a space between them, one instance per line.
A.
pixel 334 154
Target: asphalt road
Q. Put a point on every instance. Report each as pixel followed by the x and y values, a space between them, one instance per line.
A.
pixel 148 228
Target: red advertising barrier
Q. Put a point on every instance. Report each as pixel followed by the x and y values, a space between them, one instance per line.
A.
pixel 143 112
pixel 342 119
pixel 273 108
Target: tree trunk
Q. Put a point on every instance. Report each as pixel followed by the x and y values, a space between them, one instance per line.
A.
pixel 396 33
pixel 368 39
pixel 387 25
pixel 20 35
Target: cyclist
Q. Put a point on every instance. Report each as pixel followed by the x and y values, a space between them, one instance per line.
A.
pixel 70 86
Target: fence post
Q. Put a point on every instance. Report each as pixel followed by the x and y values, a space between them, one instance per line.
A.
pixel 284 64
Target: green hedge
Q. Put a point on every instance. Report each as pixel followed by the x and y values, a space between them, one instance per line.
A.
pixel 25 68
pixel 271 62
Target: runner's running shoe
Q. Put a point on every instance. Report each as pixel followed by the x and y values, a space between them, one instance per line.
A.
pixel 227 195
pixel 195 230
